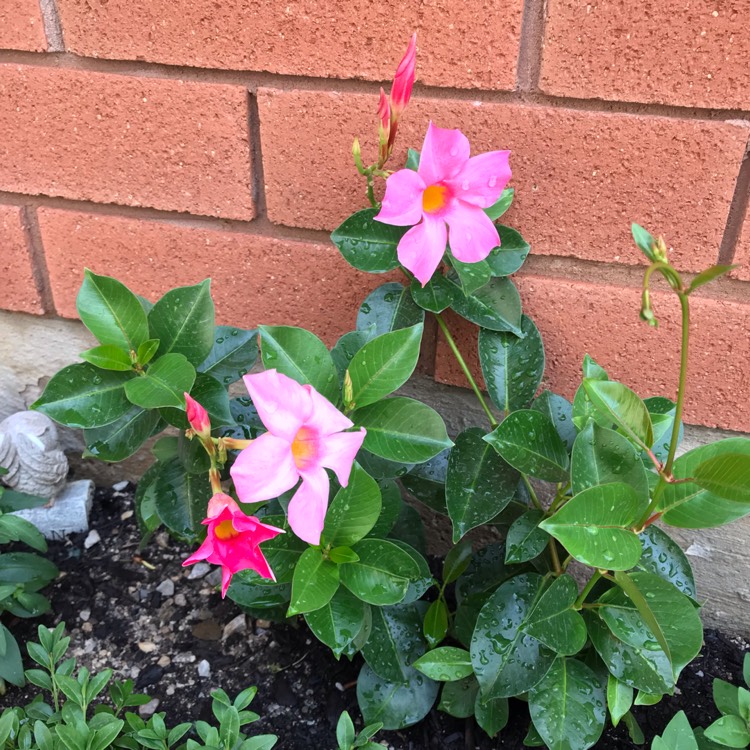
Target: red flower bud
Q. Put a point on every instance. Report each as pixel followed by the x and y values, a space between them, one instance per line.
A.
pixel 404 79
pixel 197 416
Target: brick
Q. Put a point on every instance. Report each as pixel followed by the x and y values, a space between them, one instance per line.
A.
pixel 742 254
pixel 166 144
pixel 692 54
pixel 20 292
pixel 577 318
pixel 326 38
pixel 256 279
pixel 580 177
pixel 21 26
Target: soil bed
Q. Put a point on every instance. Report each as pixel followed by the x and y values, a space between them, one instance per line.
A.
pixel 142 615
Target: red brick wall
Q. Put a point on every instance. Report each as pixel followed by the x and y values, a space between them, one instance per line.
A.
pixel 163 142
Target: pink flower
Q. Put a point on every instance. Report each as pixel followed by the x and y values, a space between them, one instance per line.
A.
pixel 305 436
pixel 233 540
pixel 403 81
pixel 197 416
pixel 444 200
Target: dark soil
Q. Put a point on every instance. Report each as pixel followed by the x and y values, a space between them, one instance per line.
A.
pixel 107 595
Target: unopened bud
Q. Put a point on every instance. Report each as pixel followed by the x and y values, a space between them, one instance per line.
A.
pixel 647 312
pixel 348 391
pixel 197 417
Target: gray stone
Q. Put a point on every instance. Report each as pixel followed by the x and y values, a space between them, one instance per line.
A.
pixel 199 570
pixel 92 539
pixel 237 625
pixel 120 486
pixel 214 577
pixel 148 709
pixel 166 587
pixel 68 515
pixel 204 669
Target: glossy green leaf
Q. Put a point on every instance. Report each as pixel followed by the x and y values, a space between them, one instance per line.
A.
pixel 212 396
pixel 594 526
pixel 181 499
pixel 145 501
pixel 507 661
pixel 390 508
pixel 704 277
pixel 300 355
pixel 315 581
pixel 560 413
pixel 383 365
pixel 619 699
pixel 192 455
pixel 726 475
pixel 644 240
pixel 232 355
pixel 554 622
pixel 726 697
pixel 525 540
pixel 122 438
pixel 435 626
pixel 678 735
pixel 26 568
pixel 257 598
pixel 337 622
pixel 166 381
pixel 16 529
pixel 456 561
pixel 282 552
pixel 409 528
pixel 496 305
pixel 111 312
pixel 460 697
pixel 486 571
pixel 568 706
pixel 108 357
pixel 147 350
pixel 366 244
pixel 348 345
pixel 503 203
pixel 445 664
pixel 662 556
pixel 354 510
pixel 426 482
pixel 662 411
pixel 402 429
pixel 511 255
pixel 390 307
pixel 412 159
pixel 82 395
pixel 730 731
pixel 469 277
pixel 623 407
pixel 527 440
pixel 491 715
pixel 512 367
pixel 435 296
pixel 11 663
pixel 183 321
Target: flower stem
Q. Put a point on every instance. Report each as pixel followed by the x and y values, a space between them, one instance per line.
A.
pixel 464 367
pixel 532 493
pixel 587 589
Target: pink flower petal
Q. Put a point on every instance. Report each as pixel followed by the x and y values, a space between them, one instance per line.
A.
pixel 260 565
pixel 226 579
pixel 204 551
pixel 402 203
pixel 338 452
pixel 307 509
pixel 325 418
pixel 264 470
pixel 444 154
pixel 422 247
pixel 471 233
pixel 261 532
pixel 282 403
pixel 482 179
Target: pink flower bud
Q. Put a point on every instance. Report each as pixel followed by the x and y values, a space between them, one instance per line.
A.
pixel 404 79
pixel 384 114
pixel 197 416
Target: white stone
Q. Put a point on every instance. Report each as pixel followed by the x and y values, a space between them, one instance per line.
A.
pixel 199 570
pixel 68 515
pixel 85 614
pixel 204 669
pixel 237 625
pixel 120 486
pixel 166 587
pixel 92 539
pixel 148 709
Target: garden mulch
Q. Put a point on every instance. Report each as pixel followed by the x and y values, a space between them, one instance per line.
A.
pixel 140 613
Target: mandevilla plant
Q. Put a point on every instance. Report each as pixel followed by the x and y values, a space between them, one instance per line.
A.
pixel 300 484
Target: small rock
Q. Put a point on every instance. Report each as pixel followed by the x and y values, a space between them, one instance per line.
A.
pixel 127 514
pixel 84 614
pixel 91 539
pixel 208 630
pixel 120 486
pixel 147 647
pixel 166 587
pixel 148 709
pixel 180 600
pixel 162 539
pixel 170 690
pixel 204 669
pixel 237 625
pixel 199 570
pixel 87 627
pixel 265 624
pixel 214 577
pixel 149 676
pixel 186 658
pixel 164 661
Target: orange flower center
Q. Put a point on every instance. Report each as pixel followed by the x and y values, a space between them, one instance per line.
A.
pixel 225 530
pixel 303 447
pixel 434 198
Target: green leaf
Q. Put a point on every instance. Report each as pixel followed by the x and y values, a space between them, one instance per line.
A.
pixel 300 355
pixel 491 715
pixel 445 664
pixel 16 529
pixel 678 735
pixel 347 346
pixel 354 510
pixel 383 365
pixel 643 240
pixel 181 499
pixel 383 573
pixel 460 697
pixel 726 475
pixel 469 276
pixel 560 412
pixel 420 583
pixel 282 552
pixel 412 159
pixel 456 561
pixel 507 661
pixel 662 556
pixel 390 308
pixel 527 440
pixel 688 505
pixel 436 295
pixel 402 429
pixel 426 482
pixel 233 354
pixel 496 305
pixel 601 456
pixel 512 367
pixel 212 396
pixel 726 697
pixel 396 705
pixel 345 731
pixel 619 699
pixel 391 503
pixel 315 581
pixel 435 626
pixel 26 568
pixel 183 321
pixel 85 396
pixel 145 500
pixel 164 384
pixel 147 350
pixel 337 622
pixel 497 209
pixel 554 622
pixel 568 706
pixel 704 277
pixel 366 244
pixel 123 437
pixel 108 357
pixel 730 731
pixel 11 664
pixel 511 255
pixel 663 412
pixel 479 483
pixel 525 540
pixel 594 526
pixel 111 312
pixel 623 407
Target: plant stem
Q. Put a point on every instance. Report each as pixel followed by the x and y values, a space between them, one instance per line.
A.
pixel 464 367
pixel 555 558
pixel 371 190
pixel 587 589
pixel 532 494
